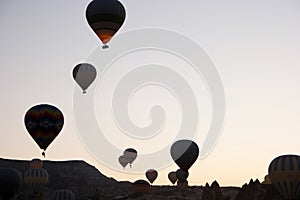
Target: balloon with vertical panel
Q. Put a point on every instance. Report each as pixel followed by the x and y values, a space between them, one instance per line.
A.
pixel 63 195
pixel 284 172
pixel 36 163
pixel 36 179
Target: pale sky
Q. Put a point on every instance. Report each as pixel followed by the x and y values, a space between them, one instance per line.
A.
pixel 254 45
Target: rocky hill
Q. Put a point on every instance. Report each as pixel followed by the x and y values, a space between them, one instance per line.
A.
pixel 88 183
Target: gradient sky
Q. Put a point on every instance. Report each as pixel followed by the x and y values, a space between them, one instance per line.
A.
pixel 254 44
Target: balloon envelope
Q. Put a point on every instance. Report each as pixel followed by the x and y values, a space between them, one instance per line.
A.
pixel 182 175
pixel 151 175
pixel 284 172
pixel 123 161
pixel 44 122
pixel 172 177
pixel 10 182
pixel 63 195
pixel 105 17
pixel 84 74
pixel 130 154
pixel 182 185
pixel 141 186
pixel 36 179
pixel 184 153
pixel 36 163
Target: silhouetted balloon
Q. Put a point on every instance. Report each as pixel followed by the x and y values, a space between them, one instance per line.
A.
pixel 184 153
pixel 130 154
pixel 182 175
pixel 105 17
pixel 172 177
pixel 151 175
pixel 10 182
pixel 284 172
pixel 84 74
pixel 182 185
pixel 36 163
pixel 36 179
pixel 44 122
pixel 123 161
pixel 141 186
pixel 63 195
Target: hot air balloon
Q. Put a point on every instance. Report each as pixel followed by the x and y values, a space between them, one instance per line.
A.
pixel 10 182
pixel 130 154
pixel 44 122
pixel 141 186
pixel 184 153
pixel 36 163
pixel 36 179
pixel 284 172
pixel 123 161
pixel 84 74
pixel 105 17
pixel 151 175
pixel 182 175
pixel 182 185
pixel 63 195
pixel 172 177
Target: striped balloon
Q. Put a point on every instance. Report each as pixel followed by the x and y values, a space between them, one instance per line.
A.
pixel 284 172
pixel 36 179
pixel 36 163
pixel 63 195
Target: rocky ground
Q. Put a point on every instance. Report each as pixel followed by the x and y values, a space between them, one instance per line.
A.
pixel 88 183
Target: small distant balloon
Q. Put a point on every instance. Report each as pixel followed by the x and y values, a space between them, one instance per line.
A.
pixel 172 177
pixel 36 163
pixel 123 161
pixel 141 186
pixel 63 195
pixel 44 122
pixel 284 172
pixel 105 17
pixel 182 175
pixel 182 185
pixel 10 183
pixel 151 175
pixel 184 153
pixel 130 154
pixel 84 74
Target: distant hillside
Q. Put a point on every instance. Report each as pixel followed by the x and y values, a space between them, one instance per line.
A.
pixel 88 183
pixel 80 177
